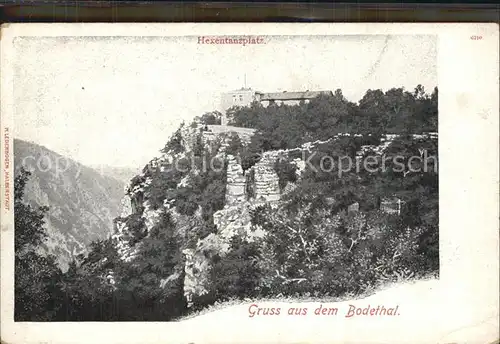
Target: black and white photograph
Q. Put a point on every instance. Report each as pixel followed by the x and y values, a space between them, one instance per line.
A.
pixel 318 180
pixel 168 178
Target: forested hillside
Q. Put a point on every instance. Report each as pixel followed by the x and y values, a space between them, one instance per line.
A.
pixel 82 201
pixel 396 111
pixel 217 217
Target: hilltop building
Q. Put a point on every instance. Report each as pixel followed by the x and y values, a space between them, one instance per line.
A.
pixel 241 97
pixel 246 96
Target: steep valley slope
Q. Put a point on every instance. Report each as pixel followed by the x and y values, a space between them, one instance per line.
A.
pixel 82 202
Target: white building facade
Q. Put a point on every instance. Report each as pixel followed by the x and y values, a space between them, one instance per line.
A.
pixel 246 96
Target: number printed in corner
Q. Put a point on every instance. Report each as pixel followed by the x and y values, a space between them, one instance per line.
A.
pixel 476 38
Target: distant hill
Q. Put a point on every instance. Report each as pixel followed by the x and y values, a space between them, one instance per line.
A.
pixel 82 202
pixel 123 174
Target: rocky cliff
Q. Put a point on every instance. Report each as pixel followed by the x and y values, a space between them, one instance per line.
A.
pixel 243 190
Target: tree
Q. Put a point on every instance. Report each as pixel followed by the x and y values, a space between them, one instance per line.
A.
pixel 237 273
pixel 211 118
pixel 235 145
pixel 37 277
pixel 88 285
pixel 139 283
pixel 286 172
pixel 174 144
pixel 312 251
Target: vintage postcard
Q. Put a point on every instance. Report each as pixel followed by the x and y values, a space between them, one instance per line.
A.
pixel 249 183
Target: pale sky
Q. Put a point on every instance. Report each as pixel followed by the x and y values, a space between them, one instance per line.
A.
pixel 116 100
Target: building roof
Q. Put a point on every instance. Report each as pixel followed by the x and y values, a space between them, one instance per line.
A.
pixel 293 95
pixel 240 90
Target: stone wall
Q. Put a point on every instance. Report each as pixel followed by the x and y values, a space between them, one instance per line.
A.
pixel 266 179
pixel 245 134
pixel 236 181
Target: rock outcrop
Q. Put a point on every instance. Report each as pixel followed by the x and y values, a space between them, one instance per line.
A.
pixel 245 134
pixel 232 220
pixel 137 210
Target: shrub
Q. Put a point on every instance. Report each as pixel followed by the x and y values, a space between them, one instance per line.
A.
pixel 211 118
pixel 250 184
pixel 237 274
pixel 313 251
pixel 234 145
pixel 286 172
pixel 174 144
